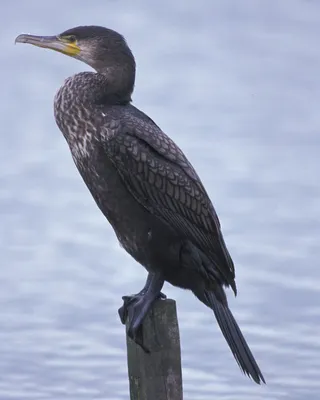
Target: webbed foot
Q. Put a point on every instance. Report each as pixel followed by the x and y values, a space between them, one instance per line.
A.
pixel 130 299
pixel 136 307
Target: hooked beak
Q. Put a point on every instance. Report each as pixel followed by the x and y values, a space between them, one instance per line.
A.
pixel 50 42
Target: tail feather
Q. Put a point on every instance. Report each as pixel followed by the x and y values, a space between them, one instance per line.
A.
pixel 233 336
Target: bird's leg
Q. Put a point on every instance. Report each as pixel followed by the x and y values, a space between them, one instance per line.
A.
pixel 136 307
pixel 129 299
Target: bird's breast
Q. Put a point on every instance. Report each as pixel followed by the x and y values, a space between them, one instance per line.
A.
pixel 76 125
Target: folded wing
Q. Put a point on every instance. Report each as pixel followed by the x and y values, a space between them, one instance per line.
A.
pixel 160 177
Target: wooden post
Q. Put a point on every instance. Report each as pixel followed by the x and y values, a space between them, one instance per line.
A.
pixel 157 375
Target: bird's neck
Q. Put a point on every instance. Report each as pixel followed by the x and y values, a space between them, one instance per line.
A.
pixel 106 87
pixel 81 96
pixel 114 85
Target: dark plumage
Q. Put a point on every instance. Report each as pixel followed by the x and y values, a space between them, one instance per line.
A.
pixel 143 183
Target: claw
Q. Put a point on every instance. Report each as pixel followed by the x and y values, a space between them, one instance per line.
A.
pixel 123 311
pixel 131 310
pixel 134 309
pixel 137 336
pixel 123 314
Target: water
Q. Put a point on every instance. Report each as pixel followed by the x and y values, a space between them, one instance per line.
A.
pixel 238 87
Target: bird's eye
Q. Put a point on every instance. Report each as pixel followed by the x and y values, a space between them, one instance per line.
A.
pixel 69 38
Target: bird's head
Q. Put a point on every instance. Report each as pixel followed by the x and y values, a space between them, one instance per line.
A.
pixel 98 47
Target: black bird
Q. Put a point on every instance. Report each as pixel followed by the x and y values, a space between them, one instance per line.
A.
pixel 143 183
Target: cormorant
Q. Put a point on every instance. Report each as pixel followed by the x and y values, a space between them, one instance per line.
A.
pixel 143 184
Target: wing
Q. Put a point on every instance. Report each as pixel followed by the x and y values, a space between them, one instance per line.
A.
pixel 160 177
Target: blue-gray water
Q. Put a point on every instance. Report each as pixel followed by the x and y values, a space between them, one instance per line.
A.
pixel 237 86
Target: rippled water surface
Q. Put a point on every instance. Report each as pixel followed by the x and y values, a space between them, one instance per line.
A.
pixel 237 85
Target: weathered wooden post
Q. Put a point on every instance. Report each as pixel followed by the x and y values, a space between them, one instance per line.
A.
pixel 157 375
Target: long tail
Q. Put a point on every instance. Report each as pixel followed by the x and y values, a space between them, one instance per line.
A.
pixel 233 335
